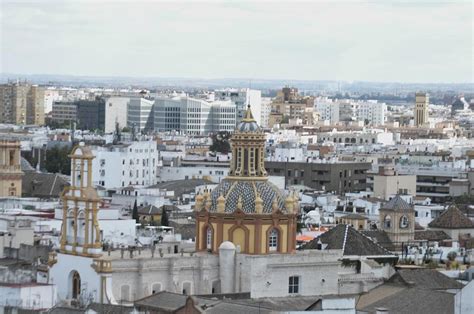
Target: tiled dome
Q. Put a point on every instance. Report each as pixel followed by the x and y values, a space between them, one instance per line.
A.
pixel 233 190
pixel 248 123
pixel 248 126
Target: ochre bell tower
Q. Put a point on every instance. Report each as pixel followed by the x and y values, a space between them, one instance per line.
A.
pixel 80 229
pixel 10 168
pixel 245 208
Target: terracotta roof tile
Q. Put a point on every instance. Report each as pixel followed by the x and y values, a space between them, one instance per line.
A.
pixel 452 218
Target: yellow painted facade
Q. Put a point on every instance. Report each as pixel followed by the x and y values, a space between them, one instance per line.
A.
pixel 245 208
pixel 252 238
pixel 10 168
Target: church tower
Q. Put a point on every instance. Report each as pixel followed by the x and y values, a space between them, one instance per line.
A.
pixel 397 219
pixel 10 168
pixel 80 230
pixel 79 269
pixel 245 208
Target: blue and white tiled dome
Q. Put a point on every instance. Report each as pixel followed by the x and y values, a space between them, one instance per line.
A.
pixel 232 190
pixel 248 126
pixel 248 123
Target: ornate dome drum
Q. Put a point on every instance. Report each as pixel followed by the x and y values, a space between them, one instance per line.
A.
pixel 245 208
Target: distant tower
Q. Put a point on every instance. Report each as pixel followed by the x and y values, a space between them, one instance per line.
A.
pixel 80 230
pixel 421 109
pixel 397 219
pixel 10 169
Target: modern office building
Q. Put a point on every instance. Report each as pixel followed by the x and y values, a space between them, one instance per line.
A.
pixel 115 113
pixel 64 111
pixel 90 114
pixel 242 98
pixel 421 109
pixel 340 177
pixel 433 181
pixel 193 116
pixel 21 103
pixel 140 114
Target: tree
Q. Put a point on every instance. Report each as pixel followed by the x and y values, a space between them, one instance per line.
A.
pixel 57 160
pixel 220 142
pixel 135 212
pixel 164 218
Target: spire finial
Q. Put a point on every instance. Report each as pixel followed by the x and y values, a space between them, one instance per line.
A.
pixel 248 115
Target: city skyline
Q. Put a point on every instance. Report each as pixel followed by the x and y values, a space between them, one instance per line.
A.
pixel 355 41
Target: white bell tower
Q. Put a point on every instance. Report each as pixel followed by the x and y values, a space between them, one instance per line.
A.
pixel 80 230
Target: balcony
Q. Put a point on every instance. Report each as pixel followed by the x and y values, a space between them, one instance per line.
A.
pixel 425 183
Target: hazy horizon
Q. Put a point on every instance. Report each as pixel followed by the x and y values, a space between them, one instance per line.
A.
pixel 389 42
pixel 22 75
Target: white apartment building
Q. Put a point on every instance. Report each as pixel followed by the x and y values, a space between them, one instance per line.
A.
pixel 242 98
pixel 50 96
pixel 370 111
pixel 193 116
pixel 115 112
pixel 328 110
pixel 125 164
pixel 223 116
pixel 266 111
pixel 140 114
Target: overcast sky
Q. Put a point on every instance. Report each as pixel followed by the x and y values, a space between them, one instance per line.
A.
pixel 372 41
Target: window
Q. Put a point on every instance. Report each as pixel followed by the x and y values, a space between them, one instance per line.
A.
pixel 209 238
pixel 294 284
pixel 155 288
pixel 404 222
pixel 387 222
pixel 125 293
pixel 273 240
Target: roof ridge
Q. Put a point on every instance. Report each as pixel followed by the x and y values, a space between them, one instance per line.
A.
pixel 345 239
pixel 52 185
pixel 370 239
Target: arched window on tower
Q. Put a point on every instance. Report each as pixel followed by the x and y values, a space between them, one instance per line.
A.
pixel 273 240
pixel 387 222
pixel 209 238
pixel 404 222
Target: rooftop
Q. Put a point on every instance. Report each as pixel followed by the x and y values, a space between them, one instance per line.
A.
pixel 181 187
pixel 417 290
pixel 398 204
pixel 452 218
pixel 346 238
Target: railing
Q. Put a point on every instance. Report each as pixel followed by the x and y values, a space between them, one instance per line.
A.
pixel 102 266
pixel 29 304
pixel 358 277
